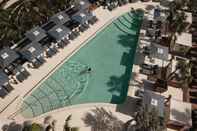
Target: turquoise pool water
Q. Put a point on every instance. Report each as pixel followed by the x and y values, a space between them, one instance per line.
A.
pixel 110 55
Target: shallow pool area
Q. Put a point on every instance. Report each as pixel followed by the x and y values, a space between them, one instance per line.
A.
pixel 109 56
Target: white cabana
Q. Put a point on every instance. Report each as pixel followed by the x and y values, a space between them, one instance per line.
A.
pixel 184 39
pixel 180 112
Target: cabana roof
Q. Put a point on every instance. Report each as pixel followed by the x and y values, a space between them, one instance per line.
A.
pixel 153 100
pixel 31 50
pixel 60 18
pixel 84 4
pixel 189 17
pixel 160 52
pixel 58 32
pixel 181 112
pixel 36 34
pixel 81 17
pixel 7 56
pixel 184 39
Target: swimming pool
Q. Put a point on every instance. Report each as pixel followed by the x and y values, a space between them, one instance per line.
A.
pixel 110 56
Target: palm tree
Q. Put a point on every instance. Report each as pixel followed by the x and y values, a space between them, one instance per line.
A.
pixel 67 126
pixel 146 119
pixel 183 78
pixel 9 30
pixel 176 24
pixel 101 120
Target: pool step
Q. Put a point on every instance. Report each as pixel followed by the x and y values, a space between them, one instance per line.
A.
pixel 123 28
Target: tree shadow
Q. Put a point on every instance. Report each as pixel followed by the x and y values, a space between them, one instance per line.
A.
pixel 119 84
pixel 127 40
pixel 139 57
pixel 100 119
pixel 129 107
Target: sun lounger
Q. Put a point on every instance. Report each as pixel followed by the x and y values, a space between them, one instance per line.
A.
pixel 3 92
pixel 53 48
pixel 8 87
pixel 36 63
pixel 93 20
pixel 41 59
pixel 66 41
pixel 19 76
pixel 193 100
pixel 193 93
pixel 61 44
pixel 72 36
pixel 49 52
pixel 193 86
pixel 146 71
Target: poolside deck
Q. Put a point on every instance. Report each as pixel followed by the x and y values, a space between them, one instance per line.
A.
pixel 10 104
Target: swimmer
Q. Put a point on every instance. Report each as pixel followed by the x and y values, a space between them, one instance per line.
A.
pixel 87 70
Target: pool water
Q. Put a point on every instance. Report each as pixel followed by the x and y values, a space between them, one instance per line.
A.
pixel 110 55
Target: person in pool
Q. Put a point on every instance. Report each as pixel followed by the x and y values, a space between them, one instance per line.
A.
pixel 87 70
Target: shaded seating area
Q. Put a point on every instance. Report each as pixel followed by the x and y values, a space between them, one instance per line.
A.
pixel 33 52
pixel 60 18
pixel 151 100
pixel 149 69
pixel 179 114
pixel 35 34
pixel 50 49
pixel 60 34
pixel 5 87
pixel 82 19
pixel 9 62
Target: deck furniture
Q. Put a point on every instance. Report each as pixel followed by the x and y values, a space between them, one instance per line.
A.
pixel 3 92
pixel 60 34
pixel 4 81
pixel 82 18
pixel 33 52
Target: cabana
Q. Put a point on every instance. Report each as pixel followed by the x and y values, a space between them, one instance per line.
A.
pixel 60 34
pixel 84 5
pixel 60 18
pixel 7 57
pixel 9 62
pixel 153 100
pixel 81 18
pixel 36 34
pixel 4 81
pixel 180 114
pixel 33 52
pixel 183 42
